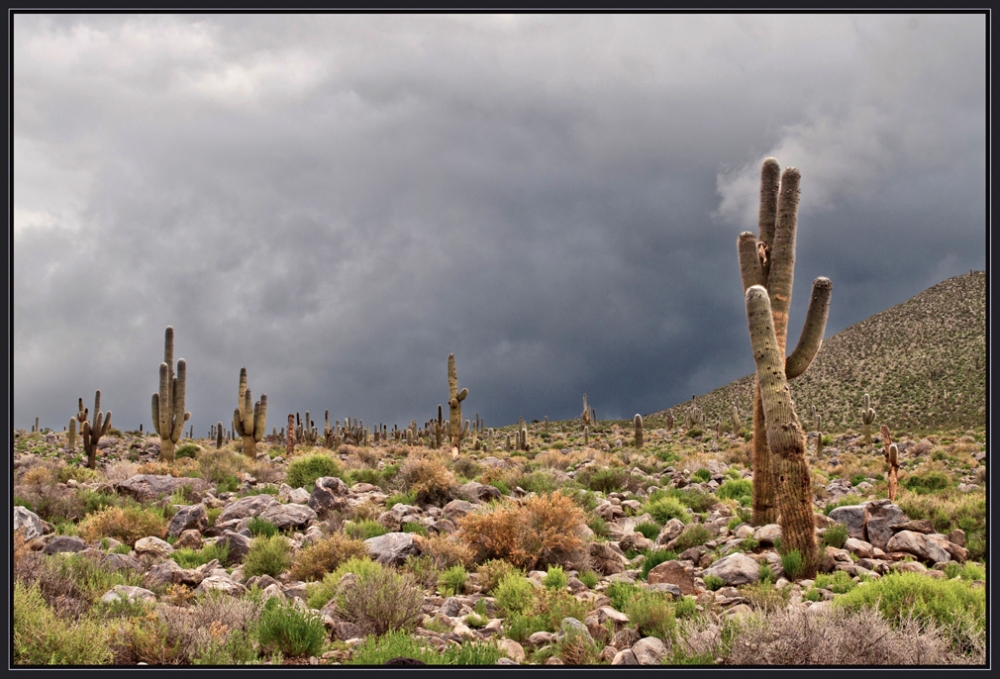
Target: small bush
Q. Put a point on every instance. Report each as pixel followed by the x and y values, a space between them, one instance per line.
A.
pixel 365 529
pixel 655 558
pixel 325 555
pixel 381 600
pixel 651 614
pixel 491 572
pixel 423 569
pixel 187 450
pixel 539 482
pixel 599 526
pixel 446 551
pixel 607 480
pixel 429 480
pixel 42 638
pixel 125 524
pixel 190 558
pixel 268 556
pixel 702 475
pixel 453 580
pixel 621 594
pixel 409 499
pixel 835 535
pixel 515 594
pixel 693 535
pixel 318 594
pixel 734 489
pixel 929 481
pixel 414 527
pixel 713 582
pixel 838 582
pixel 589 578
pixel 303 471
pixel 650 531
pixel 666 508
pixel 259 527
pixel 292 631
pixel 555 578
pixel 968 571
pixel 764 596
pixel 364 476
pixel 792 563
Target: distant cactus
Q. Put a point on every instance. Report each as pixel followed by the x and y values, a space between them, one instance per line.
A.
pixel 819 435
pixel 250 419
pixel 867 418
pixel 695 415
pixel 523 439
pixel 586 436
pixel 92 432
pixel 290 441
pixel 71 435
pixel 769 261
pixel 670 419
pixel 892 461
pixel 168 405
pixel 637 422
pixel 734 413
pixel 585 415
pixel 218 435
pixel 455 398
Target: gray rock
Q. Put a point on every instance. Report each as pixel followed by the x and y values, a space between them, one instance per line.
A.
pixel 220 583
pixel 670 531
pixel 288 516
pixel 189 539
pixel 29 522
pixel 606 560
pixel 767 534
pixel 917 526
pixel 127 593
pixel 918 544
pixel 880 517
pixel 161 574
pixel 117 562
pixel 391 548
pixel 239 546
pixel 456 509
pixel 859 547
pixel 191 517
pixel 330 494
pixel 735 569
pixel 153 546
pixel 649 651
pixel 146 487
pixel 64 543
pixel 635 541
pixel 852 516
pixel 626 657
pixel 477 492
pixel 250 506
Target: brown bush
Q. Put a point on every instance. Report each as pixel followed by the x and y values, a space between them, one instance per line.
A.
pixel 838 637
pixel 126 524
pixel 323 556
pixel 540 531
pixel 380 601
pixel 446 551
pixel 429 478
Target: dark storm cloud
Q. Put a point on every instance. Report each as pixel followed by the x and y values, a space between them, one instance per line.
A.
pixel 338 202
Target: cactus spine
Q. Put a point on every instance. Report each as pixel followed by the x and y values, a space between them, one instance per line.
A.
pixel 249 418
pixel 455 398
pixel 867 417
pixel 92 432
pixel 769 261
pixel 785 437
pixel 637 421
pixel 168 405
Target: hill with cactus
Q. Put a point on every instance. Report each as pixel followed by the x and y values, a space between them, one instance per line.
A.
pixel 923 362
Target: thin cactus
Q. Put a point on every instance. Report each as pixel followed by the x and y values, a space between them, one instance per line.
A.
pixel 769 261
pixel 523 439
pixel 585 415
pixel 819 435
pixel 290 441
pixel 891 453
pixel 249 418
pixel 734 413
pixel 455 398
pixel 586 435
pixel 92 432
pixel 71 435
pixel 168 405
pixel 785 437
pixel 867 418
pixel 637 423
pixel 670 419
pixel 218 435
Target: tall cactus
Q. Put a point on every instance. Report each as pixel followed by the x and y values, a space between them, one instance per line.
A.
pixel 218 435
pixel 867 417
pixel 734 413
pixel 71 435
pixel 892 462
pixel 785 437
pixel 455 398
pixel 585 415
pixel 637 422
pixel 92 432
pixel 168 405
pixel 769 261
pixel 249 418
pixel 670 419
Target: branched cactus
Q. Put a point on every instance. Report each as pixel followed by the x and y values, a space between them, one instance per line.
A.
pixel 769 261
pixel 168 405
pixel 250 419
pixel 785 437
pixel 695 415
pixel 637 422
pixel 455 398
pixel 892 462
pixel 867 418
pixel 91 432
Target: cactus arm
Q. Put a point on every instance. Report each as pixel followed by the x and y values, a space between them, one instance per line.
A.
pixel 237 422
pixel 782 273
pixel 107 424
pixel 163 423
pixel 750 265
pixel 243 390
pixel 246 412
pixel 462 394
pixel 180 387
pixel 156 411
pixel 812 331
pixel 260 418
pixel 768 212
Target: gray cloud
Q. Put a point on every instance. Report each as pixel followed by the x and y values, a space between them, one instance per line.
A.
pixel 337 202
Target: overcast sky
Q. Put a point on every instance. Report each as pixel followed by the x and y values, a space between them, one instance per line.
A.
pixel 338 202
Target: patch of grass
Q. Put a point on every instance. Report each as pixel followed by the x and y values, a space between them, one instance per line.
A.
pixel 701 475
pixel 589 578
pixel 492 571
pixel 693 535
pixel 930 481
pixel 666 508
pixel 452 581
pixel 713 582
pixel 555 578
pixel 652 615
pixel 621 594
pixel 190 558
pixel 40 637
pixel 792 563
pixel 364 529
pixel 735 489
pixel 259 527
pixel 654 558
pixel 268 556
pixel 380 600
pixel 294 632
pixel 514 594
pixel 125 524
pixel 650 531
pixel 835 536
pixel 303 471
pixel 409 499
pixel 838 582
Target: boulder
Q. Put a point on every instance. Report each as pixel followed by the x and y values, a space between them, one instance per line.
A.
pixel 64 543
pixel 735 569
pixel 917 526
pixel 330 494
pixel 146 487
pixel 859 547
pixel 478 492
pixel 29 522
pixel 189 539
pixel 880 517
pixel 117 562
pixel 161 574
pixel 250 506
pixel 153 546
pixel 670 531
pixel 220 583
pixel 189 517
pixel 626 657
pixel 919 545
pixel 391 549
pixel 239 546
pixel 127 593
pixel 456 509
pixel 606 560
pixel 674 573
pixel 289 516
pixel 649 651
pixel 635 541
pixel 767 534
pixel 852 516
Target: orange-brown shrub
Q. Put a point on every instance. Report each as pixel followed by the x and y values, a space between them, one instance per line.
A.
pixel 446 551
pixel 429 479
pixel 539 531
pixel 126 524
pixel 323 556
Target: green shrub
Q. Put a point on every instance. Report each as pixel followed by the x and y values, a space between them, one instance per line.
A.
pixel 268 556
pixel 363 530
pixel 792 563
pixel 589 578
pixel 655 558
pixel 702 475
pixel 453 580
pixel 649 530
pixel 414 527
pixel 858 478
pixel 538 482
pixel 835 535
pixel 838 582
pixel 187 450
pixel 190 558
pixel 929 481
pixel 318 594
pixel 292 631
pixel 364 476
pixel 713 582
pixel 598 525
pixel 767 574
pixel 491 572
pixel 380 600
pixel 968 571
pixel 515 594
pixel 42 638
pixel 409 499
pixel 303 471
pixel 607 480
pixel 651 614
pixel 261 527
pixel 666 508
pixel 813 595
pixel 848 500
pixel 236 647
pixel 621 593
pixel 125 524
pixel 735 489
pixel 376 651
pixel 693 535
pixel 555 578
pixel 501 486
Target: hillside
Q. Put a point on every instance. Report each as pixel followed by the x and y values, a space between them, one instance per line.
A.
pixel 923 362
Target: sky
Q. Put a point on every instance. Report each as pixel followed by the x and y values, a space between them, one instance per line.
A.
pixel 337 202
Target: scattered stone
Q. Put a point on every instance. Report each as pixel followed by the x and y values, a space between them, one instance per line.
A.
pixel 127 593
pixel 675 573
pixel 28 521
pixel 250 506
pixel 64 543
pixel 852 516
pixel 735 569
pixel 285 517
pixel 880 517
pixel 649 651
pixel 391 548
pixel 146 487
pixel 330 494
pixel 919 545
pixel 190 517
